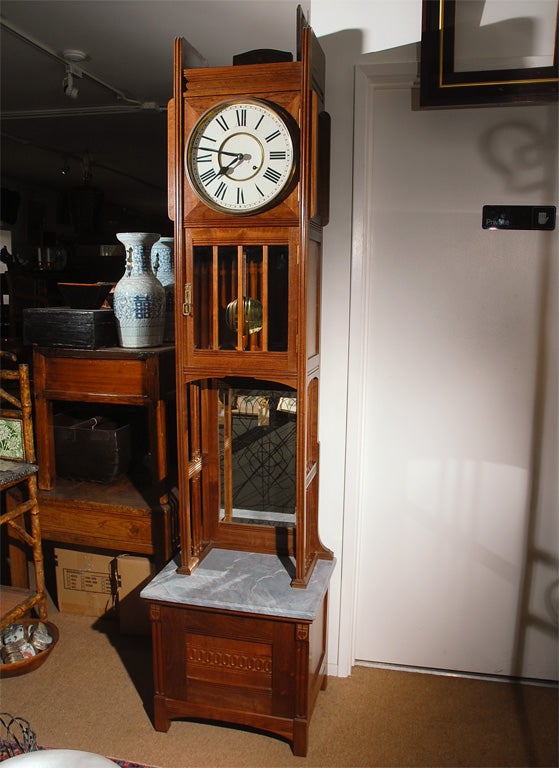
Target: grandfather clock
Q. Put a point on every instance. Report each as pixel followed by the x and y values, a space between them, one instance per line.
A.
pixel 249 189
pixel 248 192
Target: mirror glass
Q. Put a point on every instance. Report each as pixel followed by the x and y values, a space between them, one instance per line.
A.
pixel 257 445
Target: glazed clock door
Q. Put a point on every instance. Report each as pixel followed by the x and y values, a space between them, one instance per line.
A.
pixel 241 309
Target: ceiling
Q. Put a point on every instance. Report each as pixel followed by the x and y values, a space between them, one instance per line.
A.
pixel 113 133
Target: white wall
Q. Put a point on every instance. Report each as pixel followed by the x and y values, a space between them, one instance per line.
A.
pixel 347 32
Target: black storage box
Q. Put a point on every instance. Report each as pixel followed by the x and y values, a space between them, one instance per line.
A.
pixel 65 327
pixel 95 449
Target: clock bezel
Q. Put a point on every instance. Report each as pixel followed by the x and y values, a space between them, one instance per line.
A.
pixel 293 130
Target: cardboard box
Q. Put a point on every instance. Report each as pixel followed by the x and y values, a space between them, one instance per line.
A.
pixel 98 585
pixel 85 582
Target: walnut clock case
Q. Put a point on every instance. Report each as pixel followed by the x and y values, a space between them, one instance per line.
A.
pixel 248 173
pixel 248 192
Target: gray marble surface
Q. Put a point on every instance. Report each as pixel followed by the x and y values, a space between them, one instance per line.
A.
pixel 243 581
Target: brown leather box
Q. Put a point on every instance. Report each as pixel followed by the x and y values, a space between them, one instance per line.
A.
pixel 93 449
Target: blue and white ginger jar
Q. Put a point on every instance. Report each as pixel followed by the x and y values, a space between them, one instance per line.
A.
pixel 139 297
pixel 163 266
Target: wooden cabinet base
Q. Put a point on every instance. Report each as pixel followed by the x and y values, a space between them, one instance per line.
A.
pixel 263 672
pixel 115 517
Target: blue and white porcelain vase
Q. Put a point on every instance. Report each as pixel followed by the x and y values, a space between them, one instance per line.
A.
pixel 163 266
pixel 139 297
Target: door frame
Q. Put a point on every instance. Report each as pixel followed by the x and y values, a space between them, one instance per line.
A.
pixel 369 78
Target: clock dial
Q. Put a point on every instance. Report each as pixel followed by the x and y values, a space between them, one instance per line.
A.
pixel 240 157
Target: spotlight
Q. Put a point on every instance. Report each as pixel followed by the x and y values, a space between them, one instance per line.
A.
pixel 68 86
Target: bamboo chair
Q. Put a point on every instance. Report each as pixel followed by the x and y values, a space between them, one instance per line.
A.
pixel 19 524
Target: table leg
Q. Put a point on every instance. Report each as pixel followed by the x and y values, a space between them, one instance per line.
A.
pixel 44 426
pixel 158 443
pixel 19 574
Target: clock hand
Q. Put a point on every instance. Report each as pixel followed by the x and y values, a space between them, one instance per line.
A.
pixel 237 159
pixel 221 151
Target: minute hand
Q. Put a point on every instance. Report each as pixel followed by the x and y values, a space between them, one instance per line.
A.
pixel 221 152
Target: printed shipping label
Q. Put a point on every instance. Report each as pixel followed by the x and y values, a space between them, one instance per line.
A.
pixel 86 581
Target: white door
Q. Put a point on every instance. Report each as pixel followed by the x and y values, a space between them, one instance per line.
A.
pixel 455 336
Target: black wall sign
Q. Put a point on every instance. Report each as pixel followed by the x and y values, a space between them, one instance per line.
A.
pixel 518 217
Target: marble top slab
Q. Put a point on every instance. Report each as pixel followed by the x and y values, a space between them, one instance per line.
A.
pixel 243 581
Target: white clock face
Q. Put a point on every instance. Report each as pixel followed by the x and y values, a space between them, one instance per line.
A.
pixel 240 156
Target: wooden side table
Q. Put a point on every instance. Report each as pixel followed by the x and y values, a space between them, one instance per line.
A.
pixel 121 516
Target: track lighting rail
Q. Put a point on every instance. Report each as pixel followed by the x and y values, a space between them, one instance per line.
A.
pixel 131 104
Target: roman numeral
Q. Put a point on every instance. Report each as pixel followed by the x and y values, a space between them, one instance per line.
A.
pixel 208 176
pixel 240 196
pixel 204 158
pixel 208 138
pixel 221 190
pixel 259 190
pixel 272 136
pixel 256 127
pixel 278 155
pixel 222 122
pixel 241 117
pixel 272 175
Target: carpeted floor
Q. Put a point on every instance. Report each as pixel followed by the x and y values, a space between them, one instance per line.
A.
pixel 94 693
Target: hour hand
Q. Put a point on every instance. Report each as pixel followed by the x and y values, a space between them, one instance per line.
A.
pixel 237 159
